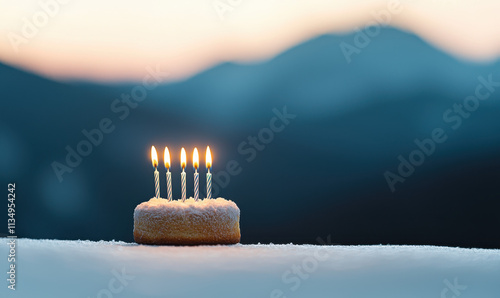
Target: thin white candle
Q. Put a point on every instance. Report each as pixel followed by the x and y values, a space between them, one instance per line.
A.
pixel 196 175
pixel 169 186
pixel 166 160
pixel 154 160
pixel 157 184
pixel 208 160
pixel 183 174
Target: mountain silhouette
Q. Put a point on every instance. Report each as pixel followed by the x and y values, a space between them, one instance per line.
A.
pixel 322 174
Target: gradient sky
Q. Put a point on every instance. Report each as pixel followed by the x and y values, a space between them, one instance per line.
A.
pixel 116 40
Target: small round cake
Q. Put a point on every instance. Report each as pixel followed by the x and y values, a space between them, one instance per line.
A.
pixel 208 221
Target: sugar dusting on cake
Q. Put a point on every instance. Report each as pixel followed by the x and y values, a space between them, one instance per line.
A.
pixel 220 205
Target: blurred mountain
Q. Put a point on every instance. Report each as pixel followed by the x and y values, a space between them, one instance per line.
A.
pixel 323 174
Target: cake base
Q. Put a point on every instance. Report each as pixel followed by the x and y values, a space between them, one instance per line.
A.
pixel 205 222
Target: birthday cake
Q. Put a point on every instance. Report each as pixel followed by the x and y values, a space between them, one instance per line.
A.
pixel 208 221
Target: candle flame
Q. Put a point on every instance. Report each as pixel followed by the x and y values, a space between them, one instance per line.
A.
pixel 154 156
pixel 183 158
pixel 208 158
pixel 166 158
pixel 196 158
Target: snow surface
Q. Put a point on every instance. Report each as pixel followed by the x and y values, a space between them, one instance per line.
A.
pixel 56 268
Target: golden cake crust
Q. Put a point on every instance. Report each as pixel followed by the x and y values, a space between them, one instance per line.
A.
pixel 214 221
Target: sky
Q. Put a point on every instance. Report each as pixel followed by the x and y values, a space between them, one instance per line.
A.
pixel 116 40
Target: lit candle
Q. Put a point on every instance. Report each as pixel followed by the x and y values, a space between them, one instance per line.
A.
pixel 183 174
pixel 166 160
pixel 196 175
pixel 154 159
pixel 209 175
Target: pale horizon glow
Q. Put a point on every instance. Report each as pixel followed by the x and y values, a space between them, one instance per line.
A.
pixel 117 40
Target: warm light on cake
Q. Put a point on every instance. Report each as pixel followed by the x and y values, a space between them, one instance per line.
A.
pixel 186 221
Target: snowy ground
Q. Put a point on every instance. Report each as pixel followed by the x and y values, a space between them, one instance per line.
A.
pixel 53 268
